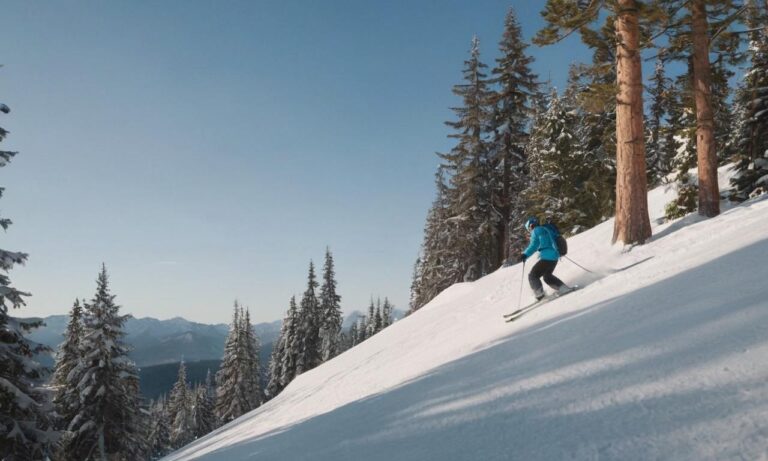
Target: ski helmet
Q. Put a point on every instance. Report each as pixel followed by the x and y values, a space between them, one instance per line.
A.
pixel 531 222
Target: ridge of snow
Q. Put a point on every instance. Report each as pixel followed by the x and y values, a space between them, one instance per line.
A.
pixel 664 360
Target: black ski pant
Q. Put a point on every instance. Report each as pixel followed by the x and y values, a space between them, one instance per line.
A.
pixel 543 269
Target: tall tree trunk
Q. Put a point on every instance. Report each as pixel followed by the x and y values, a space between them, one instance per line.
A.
pixel 709 192
pixel 632 224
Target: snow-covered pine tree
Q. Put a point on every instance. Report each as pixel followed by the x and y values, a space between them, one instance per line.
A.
pixel 308 334
pixel 251 369
pixel 370 325
pixel 722 107
pixel 353 334
pixel 159 434
pixel 275 372
pixel 515 89
pixel 291 345
pixel 231 398
pixel 658 164
pixel 439 266
pixel 750 139
pixel 330 308
pixel 386 313
pixel 549 156
pixel 180 411
pixel 377 317
pixel 203 416
pixel 470 168
pixel 683 128
pixel 675 131
pixel 362 329
pixel 23 419
pixel 567 180
pixel 594 177
pixel 415 291
pixel 67 358
pixel 107 421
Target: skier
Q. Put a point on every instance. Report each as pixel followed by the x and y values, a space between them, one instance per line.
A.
pixel 543 242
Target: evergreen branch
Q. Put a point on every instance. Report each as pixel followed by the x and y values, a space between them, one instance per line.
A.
pixel 748 31
pixel 669 26
pixel 592 10
pixel 727 22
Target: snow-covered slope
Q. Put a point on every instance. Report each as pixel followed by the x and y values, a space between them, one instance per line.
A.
pixel 665 360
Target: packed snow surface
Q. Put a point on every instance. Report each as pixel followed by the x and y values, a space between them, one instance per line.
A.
pixel 667 359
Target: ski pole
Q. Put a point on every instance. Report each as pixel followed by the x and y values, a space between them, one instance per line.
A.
pixel 571 260
pixel 520 296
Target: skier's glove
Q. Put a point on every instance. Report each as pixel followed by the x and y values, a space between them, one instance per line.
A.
pixel 523 257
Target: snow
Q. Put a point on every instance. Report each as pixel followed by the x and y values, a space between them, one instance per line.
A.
pixel 22 400
pixel 663 360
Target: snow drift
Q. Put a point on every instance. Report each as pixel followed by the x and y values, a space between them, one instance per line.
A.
pixel 663 360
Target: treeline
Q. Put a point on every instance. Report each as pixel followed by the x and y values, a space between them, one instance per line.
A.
pixel 91 408
pixel 192 411
pixel 591 150
pixel 311 332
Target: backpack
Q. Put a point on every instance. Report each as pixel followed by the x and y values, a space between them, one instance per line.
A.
pixel 560 243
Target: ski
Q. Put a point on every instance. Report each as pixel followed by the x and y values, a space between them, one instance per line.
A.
pixel 523 310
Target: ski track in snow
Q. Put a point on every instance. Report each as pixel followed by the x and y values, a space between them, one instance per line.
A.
pixel 665 360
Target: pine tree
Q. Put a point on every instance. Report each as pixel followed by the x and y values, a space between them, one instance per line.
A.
pixel 362 329
pixel 276 360
pixel 108 421
pixel 386 313
pixel 308 334
pixel 232 400
pixel 203 417
pixel 656 158
pixel 683 129
pixel 722 107
pixel 23 418
pixel 591 176
pixel 251 369
pixel 67 358
pixel 378 321
pixel 696 29
pixel 291 345
pixel 512 106
pixel 632 223
pixel 416 281
pixel 370 325
pixel 238 381
pixel 159 435
pixel 330 308
pixel 470 166
pixel 750 138
pixel 439 264
pixel 352 335
pixel 677 130
pixel 567 184
pixel 180 411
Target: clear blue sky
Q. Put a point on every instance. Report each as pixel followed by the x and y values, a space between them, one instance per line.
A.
pixel 206 151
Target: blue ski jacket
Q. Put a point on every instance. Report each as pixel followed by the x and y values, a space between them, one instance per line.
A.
pixel 542 241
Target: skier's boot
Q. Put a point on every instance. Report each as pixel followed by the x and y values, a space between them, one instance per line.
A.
pixel 563 289
pixel 539 294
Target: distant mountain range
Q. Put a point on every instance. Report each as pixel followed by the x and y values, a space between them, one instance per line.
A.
pixel 159 345
pixel 157 342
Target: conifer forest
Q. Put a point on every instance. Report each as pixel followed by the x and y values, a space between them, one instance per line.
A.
pixel 674 89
